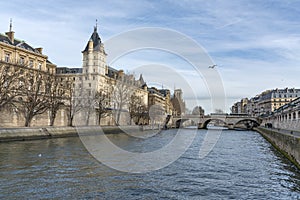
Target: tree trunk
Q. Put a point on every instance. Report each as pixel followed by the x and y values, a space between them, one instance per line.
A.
pixel 28 119
pixel 99 119
pixel 52 118
pixel 118 117
pixel 70 121
pixel 87 119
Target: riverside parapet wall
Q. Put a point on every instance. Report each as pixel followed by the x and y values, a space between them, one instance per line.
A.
pixel 287 144
pixel 20 134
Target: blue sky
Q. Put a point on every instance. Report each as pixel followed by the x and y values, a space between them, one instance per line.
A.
pixel 256 44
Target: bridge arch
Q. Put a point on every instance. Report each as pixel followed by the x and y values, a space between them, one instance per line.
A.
pixel 205 123
pixel 179 123
pixel 249 123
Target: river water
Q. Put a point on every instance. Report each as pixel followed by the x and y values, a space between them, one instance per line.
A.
pixel 241 166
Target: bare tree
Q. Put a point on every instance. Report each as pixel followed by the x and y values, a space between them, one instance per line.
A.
pixel 198 110
pixel 102 100
pixel 219 111
pixel 87 104
pixel 33 99
pixel 10 83
pixel 73 99
pixel 121 97
pixel 137 109
pixel 56 95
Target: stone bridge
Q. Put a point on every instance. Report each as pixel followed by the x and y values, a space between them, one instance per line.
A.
pixel 230 121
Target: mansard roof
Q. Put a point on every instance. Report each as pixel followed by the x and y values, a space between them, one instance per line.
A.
pixel 18 43
pixel 96 40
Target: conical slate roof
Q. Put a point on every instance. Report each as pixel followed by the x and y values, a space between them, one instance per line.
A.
pixel 96 40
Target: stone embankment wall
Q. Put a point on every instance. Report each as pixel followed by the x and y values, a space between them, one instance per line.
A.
pixel 287 144
pixel 20 134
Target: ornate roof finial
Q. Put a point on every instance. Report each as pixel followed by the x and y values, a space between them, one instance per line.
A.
pixel 10 25
pixel 95 27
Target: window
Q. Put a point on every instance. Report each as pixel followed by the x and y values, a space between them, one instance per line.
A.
pixel 93 77
pixel 294 115
pixel 30 63
pixel 90 85
pixel 40 66
pixel 7 57
pixel 22 61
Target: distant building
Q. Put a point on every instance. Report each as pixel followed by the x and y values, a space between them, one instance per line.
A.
pixel 286 117
pixel 178 103
pixel 67 70
pixel 266 102
pixel 95 75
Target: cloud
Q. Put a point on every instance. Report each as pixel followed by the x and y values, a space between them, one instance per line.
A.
pixel 255 43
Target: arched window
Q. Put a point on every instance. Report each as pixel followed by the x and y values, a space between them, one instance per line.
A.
pixel 294 115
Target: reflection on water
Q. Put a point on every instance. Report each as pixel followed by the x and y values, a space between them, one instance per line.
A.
pixel 241 166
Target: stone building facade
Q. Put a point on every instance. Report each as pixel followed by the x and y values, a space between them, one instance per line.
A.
pixel 178 103
pixel 266 102
pixel 17 56
pixel 286 117
pixel 97 76
pixel 78 89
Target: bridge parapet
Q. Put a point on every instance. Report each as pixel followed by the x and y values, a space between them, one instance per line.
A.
pixel 229 120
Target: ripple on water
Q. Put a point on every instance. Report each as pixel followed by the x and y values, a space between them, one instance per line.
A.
pixel 241 166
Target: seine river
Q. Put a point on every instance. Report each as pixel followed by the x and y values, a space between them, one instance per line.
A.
pixel 241 166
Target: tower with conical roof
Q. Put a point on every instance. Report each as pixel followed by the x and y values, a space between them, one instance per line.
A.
pixel 94 56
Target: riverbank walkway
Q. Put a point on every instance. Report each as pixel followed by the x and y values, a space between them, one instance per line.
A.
pixel 283 131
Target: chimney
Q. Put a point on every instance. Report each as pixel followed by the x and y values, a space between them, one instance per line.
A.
pixel 11 34
pixel 90 45
pixel 40 50
pixel 120 73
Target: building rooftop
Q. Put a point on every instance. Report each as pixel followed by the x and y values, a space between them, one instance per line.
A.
pixel 18 43
pixel 96 41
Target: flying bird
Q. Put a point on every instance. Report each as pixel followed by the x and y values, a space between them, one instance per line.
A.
pixel 212 66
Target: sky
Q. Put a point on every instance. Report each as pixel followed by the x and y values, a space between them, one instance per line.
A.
pixel 255 44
